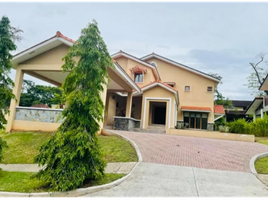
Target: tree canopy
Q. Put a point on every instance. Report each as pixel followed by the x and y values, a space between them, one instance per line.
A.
pixel 8 36
pixel 73 153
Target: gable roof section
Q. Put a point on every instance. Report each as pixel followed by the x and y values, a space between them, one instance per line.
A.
pixel 42 47
pixel 124 54
pixel 154 55
pixel 161 84
pixel 255 104
pixel 219 109
pixel 119 70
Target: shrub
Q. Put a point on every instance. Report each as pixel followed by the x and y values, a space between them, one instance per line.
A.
pixel 258 128
pixel 223 129
pixel 240 126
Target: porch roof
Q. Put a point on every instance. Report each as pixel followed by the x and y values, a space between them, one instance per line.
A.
pixel 119 80
pixel 195 108
pixel 255 104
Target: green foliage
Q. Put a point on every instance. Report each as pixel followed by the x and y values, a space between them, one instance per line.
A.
pixel 7 37
pixel 73 152
pixel 219 122
pixel 39 94
pixel 258 128
pixel 240 126
pixel 3 145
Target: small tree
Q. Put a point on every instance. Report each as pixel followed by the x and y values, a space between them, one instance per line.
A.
pixel 73 152
pixel 8 35
pixel 258 75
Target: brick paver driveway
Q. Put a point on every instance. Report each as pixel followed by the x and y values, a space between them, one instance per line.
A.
pixel 195 152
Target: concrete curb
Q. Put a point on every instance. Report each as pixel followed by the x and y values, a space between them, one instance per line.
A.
pixel 130 141
pixel 80 191
pixel 253 160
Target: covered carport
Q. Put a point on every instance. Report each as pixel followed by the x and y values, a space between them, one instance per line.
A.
pixel 44 61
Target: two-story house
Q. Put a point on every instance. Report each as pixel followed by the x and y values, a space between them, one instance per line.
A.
pixel 146 92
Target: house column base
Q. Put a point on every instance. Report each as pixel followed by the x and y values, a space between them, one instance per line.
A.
pixel 210 127
pixel 126 123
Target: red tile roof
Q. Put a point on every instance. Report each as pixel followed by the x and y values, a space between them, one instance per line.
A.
pixel 138 69
pixel 195 108
pixel 219 109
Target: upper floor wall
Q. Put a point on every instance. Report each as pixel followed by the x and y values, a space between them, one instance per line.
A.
pixel 198 94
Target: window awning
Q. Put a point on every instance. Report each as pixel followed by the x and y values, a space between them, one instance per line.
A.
pixel 195 109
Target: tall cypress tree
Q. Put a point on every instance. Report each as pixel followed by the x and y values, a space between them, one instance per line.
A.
pixel 8 36
pixel 73 152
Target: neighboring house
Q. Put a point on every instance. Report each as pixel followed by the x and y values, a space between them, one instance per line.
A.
pixel 237 111
pixel 142 92
pixel 259 105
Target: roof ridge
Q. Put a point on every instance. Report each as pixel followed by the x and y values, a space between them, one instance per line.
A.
pixel 155 54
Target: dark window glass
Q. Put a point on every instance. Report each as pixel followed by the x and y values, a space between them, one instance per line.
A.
pixel 204 120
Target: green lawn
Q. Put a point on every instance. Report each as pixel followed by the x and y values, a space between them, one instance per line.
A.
pixel 21 182
pixel 262 140
pixel 23 146
pixel 261 165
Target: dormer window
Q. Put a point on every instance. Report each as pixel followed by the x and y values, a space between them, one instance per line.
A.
pixel 138 77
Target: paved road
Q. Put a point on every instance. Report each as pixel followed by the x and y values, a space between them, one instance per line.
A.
pixel 195 152
pixel 158 180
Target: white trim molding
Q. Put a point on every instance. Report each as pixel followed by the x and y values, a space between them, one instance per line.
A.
pixel 114 56
pixel 127 78
pixel 156 98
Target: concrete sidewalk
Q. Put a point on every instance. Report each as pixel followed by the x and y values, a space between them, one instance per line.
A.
pixel 158 180
pixel 117 167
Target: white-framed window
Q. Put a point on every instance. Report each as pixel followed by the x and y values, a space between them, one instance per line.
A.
pixel 138 77
pixel 187 88
pixel 210 89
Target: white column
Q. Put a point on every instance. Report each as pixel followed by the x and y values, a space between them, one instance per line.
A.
pixel 254 117
pixel 261 113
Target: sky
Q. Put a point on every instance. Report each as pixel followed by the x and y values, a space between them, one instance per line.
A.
pixel 217 38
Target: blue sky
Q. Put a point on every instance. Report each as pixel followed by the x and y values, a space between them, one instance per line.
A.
pixel 212 37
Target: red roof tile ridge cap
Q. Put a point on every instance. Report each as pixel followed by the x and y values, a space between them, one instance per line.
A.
pixel 59 34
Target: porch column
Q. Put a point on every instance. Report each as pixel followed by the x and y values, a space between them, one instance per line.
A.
pixel 14 103
pixel 129 104
pixel 254 117
pixel 261 113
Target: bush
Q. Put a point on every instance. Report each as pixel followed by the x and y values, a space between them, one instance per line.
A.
pixel 223 129
pixel 258 128
pixel 240 126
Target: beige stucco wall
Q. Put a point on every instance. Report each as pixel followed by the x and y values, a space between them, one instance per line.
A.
pixel 197 96
pixel 34 126
pixel 127 64
pixel 156 93
pixel 53 56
